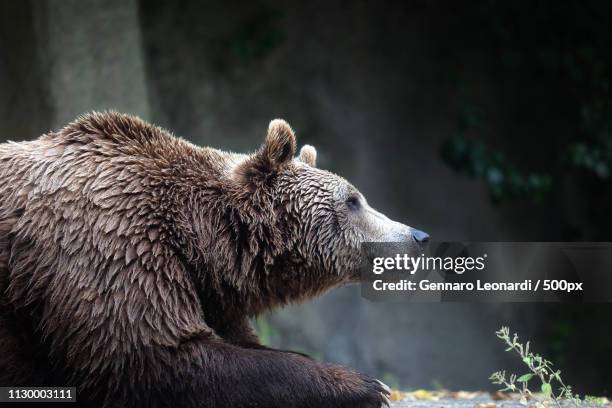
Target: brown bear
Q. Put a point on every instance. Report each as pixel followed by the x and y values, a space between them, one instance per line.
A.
pixel 131 262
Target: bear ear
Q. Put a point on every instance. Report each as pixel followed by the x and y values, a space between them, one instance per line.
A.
pixel 279 147
pixel 308 154
pixel 277 150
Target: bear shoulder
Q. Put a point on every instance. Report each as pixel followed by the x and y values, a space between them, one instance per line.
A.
pixel 114 134
pixel 114 127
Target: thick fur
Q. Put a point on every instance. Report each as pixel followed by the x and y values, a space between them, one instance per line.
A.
pixel 131 261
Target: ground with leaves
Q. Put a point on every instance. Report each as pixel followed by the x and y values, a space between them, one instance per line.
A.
pixel 464 399
pixel 552 392
pixel 481 402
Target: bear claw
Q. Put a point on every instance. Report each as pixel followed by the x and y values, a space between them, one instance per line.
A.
pixel 384 387
pixel 385 393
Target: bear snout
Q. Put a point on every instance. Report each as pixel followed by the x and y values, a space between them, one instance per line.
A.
pixel 419 236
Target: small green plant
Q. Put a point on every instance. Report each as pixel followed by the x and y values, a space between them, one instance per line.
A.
pixel 391 380
pixel 595 401
pixel 540 369
pixel 264 330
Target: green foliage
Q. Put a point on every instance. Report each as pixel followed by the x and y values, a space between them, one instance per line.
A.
pixel 595 401
pixel 257 37
pixel 540 369
pixel 391 380
pixel 267 333
pixel 264 330
pixel 563 51
pixel 504 180
pixel 561 329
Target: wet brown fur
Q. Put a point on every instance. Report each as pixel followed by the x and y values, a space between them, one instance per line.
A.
pixel 131 261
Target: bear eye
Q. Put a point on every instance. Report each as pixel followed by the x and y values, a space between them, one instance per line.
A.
pixel 353 203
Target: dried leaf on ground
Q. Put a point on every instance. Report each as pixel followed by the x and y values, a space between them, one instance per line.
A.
pixel 486 405
pixel 501 396
pixel 397 395
pixel 462 395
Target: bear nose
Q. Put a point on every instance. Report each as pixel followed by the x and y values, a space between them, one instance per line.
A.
pixel 420 236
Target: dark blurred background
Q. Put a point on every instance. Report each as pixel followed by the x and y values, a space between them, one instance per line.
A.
pixel 479 120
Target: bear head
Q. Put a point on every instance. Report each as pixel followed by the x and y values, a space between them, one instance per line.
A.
pixel 302 227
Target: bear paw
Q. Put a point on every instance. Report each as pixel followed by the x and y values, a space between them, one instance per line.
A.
pixel 379 393
pixel 358 390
